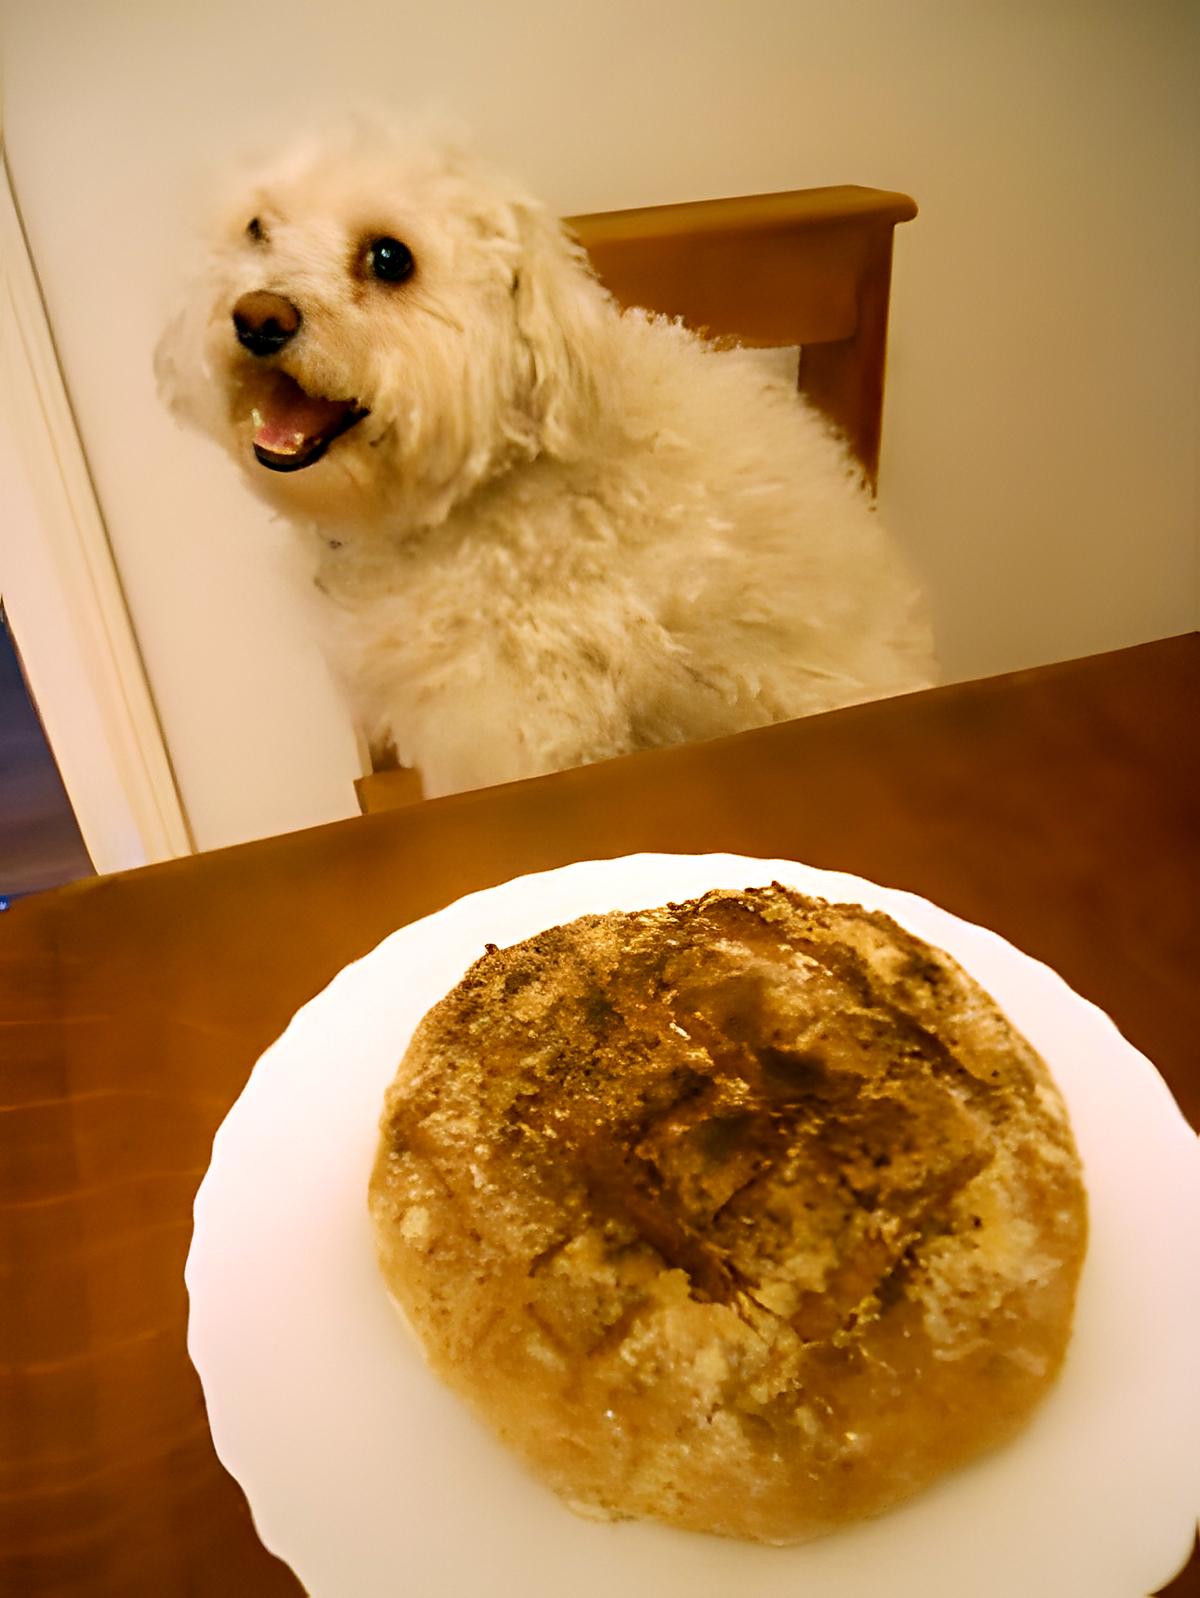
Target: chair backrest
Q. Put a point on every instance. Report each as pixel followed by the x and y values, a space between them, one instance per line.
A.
pixel 811 267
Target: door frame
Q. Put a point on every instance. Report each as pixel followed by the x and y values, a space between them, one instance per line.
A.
pixel 63 595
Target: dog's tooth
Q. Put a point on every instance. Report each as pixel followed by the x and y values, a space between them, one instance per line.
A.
pixel 256 416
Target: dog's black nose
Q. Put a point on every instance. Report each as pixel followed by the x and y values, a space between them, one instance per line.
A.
pixel 264 322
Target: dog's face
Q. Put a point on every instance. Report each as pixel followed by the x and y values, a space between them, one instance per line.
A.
pixel 377 330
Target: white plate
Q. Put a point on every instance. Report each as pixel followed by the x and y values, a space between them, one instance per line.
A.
pixel 369 1478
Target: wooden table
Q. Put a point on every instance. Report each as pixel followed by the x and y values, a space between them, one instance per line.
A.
pixel 1060 807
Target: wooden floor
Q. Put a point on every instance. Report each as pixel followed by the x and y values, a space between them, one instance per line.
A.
pixel 40 845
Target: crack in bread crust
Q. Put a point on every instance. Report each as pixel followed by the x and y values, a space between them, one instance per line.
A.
pixel 781 1217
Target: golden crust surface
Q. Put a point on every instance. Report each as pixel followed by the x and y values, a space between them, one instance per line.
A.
pixel 751 1214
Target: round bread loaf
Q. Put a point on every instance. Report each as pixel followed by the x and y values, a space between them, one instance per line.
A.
pixel 751 1214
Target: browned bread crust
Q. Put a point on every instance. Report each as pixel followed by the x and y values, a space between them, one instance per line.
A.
pixel 752 1214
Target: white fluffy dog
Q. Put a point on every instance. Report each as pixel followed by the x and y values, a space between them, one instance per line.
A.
pixel 547 531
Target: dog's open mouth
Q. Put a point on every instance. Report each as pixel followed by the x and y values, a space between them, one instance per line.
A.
pixel 293 429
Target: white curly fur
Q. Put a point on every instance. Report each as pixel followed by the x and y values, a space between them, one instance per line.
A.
pixel 563 532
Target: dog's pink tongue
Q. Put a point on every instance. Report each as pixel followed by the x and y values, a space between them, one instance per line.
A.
pixel 290 420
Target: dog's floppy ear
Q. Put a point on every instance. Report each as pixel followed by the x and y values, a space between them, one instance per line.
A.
pixel 182 371
pixel 561 311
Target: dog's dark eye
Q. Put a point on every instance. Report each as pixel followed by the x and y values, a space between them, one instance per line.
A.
pixel 254 229
pixel 390 260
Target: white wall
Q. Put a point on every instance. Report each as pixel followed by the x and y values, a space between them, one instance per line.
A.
pixel 1040 445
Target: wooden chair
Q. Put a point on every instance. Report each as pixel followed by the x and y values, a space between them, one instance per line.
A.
pixel 811 267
